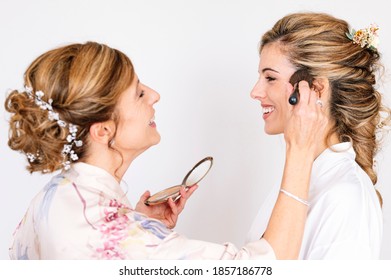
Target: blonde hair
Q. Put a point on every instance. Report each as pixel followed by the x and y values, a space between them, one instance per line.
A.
pixel 84 81
pixel 318 42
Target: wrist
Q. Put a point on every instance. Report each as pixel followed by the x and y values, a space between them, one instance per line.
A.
pixel 297 171
pixel 301 155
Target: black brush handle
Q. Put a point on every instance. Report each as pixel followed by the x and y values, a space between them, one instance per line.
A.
pixel 294 98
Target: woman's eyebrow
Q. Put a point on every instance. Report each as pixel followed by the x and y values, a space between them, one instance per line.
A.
pixel 269 69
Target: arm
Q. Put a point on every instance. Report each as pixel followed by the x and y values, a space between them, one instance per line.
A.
pixel 286 226
pixel 304 134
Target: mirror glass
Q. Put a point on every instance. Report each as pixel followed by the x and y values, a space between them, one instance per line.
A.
pixel 198 172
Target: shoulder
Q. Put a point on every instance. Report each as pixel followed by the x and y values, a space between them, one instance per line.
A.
pixel 343 177
pixel 344 188
pixel 49 192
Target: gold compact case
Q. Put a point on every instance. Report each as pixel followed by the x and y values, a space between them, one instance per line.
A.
pixel 195 175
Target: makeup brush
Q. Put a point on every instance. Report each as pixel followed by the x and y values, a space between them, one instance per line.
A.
pixel 299 75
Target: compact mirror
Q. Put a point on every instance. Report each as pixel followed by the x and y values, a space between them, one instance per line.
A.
pixel 195 175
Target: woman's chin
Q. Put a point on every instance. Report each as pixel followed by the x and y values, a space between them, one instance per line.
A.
pixel 156 140
pixel 272 131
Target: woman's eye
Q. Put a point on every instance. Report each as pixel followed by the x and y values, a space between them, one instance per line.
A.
pixel 141 94
pixel 270 79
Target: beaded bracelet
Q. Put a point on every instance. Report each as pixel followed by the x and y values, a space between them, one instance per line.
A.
pixel 305 202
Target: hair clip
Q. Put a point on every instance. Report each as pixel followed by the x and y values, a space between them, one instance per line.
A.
pixel 366 38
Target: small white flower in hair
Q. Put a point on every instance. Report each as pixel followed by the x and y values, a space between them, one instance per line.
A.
pixel 62 123
pixel 74 156
pixel 31 157
pixel 39 94
pixel 67 165
pixel 72 128
pixel 78 143
pixel 66 149
pixel 70 138
pixel 53 116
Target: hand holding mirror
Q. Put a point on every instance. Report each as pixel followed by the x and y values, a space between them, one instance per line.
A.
pixel 195 175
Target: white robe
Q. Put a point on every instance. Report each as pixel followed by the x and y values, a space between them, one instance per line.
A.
pixel 344 219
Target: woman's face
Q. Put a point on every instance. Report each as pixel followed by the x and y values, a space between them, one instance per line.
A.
pixel 136 129
pixel 273 88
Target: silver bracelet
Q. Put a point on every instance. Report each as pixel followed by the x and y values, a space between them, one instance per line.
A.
pixel 305 202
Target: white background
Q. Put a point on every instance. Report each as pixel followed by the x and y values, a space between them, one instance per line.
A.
pixel 202 57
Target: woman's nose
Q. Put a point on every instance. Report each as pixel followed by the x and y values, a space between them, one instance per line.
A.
pixel 256 92
pixel 155 96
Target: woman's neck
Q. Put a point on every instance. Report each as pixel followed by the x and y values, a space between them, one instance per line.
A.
pixel 330 141
pixel 111 160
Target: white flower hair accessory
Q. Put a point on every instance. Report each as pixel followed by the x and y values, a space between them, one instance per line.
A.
pixel 67 152
pixel 366 38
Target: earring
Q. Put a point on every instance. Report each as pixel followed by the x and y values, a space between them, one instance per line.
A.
pixel 111 142
pixel 319 102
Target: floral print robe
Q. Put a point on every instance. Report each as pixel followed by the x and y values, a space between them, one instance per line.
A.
pixel 83 213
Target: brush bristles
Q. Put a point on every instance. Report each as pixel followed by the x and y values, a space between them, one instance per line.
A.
pixel 301 75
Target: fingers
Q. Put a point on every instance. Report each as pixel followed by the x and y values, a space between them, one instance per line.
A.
pixel 183 199
pixel 173 206
pixel 191 190
pixel 178 205
pixel 185 194
pixel 307 95
pixel 305 92
pixel 145 196
pixel 309 100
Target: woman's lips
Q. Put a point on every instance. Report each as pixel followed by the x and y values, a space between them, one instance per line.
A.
pixel 266 111
pixel 152 122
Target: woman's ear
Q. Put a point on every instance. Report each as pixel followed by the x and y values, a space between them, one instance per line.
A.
pixel 102 132
pixel 322 86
